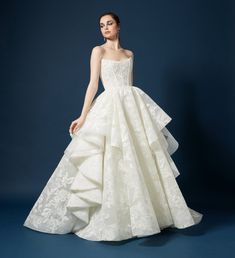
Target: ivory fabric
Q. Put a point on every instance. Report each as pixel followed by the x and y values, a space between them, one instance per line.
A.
pixel 116 179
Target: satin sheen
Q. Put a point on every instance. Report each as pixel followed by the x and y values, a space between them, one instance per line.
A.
pixel 116 179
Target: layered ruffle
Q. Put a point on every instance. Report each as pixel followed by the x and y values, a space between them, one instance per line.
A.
pixel 86 154
pixel 116 179
pixel 128 120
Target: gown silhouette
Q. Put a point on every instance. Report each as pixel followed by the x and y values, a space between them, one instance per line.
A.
pixel 116 179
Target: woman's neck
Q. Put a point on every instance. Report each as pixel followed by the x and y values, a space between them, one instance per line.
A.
pixel 113 45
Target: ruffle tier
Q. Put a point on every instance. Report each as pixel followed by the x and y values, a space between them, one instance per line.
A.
pixel 126 119
pixel 116 179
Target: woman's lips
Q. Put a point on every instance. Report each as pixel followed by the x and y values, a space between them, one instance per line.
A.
pixel 106 32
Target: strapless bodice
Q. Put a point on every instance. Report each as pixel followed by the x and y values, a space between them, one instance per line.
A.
pixel 116 73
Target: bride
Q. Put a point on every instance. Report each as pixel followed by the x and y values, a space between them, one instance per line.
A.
pixel 116 179
pixel 111 49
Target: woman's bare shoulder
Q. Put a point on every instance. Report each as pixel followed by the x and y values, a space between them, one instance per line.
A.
pixel 129 52
pixel 98 50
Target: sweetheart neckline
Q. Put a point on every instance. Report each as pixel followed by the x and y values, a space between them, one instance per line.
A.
pixel 116 60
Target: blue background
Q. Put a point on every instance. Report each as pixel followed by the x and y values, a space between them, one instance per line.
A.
pixel 184 59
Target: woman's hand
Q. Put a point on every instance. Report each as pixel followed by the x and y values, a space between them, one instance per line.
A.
pixel 77 123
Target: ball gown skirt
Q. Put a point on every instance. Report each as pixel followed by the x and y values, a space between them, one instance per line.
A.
pixel 116 179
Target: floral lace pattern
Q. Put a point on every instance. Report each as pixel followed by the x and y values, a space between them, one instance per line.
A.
pixel 116 179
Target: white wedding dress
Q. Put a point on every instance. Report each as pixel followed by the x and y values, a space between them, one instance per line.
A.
pixel 116 179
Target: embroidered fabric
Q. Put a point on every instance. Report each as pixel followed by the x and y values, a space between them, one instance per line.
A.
pixel 116 179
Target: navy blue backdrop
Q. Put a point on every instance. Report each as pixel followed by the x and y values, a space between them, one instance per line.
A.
pixel 184 60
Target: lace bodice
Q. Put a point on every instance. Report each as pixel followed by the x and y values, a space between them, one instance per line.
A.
pixel 116 73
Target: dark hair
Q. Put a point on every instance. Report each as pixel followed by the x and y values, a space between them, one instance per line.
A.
pixel 113 15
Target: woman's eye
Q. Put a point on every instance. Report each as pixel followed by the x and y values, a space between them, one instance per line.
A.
pixel 109 23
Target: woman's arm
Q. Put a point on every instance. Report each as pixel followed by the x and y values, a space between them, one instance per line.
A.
pixel 92 88
pixel 94 80
pixel 132 55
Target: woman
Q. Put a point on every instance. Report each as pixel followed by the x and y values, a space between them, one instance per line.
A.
pixel 116 179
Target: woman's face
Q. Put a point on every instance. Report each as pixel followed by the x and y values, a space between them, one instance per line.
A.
pixel 108 27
